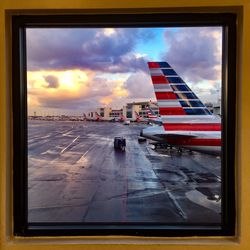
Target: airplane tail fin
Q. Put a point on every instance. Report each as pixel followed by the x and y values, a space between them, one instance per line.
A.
pixel 122 118
pixel 179 107
pixel 98 117
pixel 150 113
pixel 173 95
pixel 138 117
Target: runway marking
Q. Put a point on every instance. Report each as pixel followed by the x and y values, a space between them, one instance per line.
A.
pixel 69 145
pixel 46 136
pixel 85 154
pixel 67 133
pixel 177 205
pixel 49 152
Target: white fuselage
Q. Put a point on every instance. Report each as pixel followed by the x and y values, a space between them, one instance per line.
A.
pixel 202 141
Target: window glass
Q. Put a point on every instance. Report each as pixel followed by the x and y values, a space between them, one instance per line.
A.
pixel 96 156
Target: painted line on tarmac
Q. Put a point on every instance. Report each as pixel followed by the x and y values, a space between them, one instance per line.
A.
pixel 69 145
pixel 177 205
pixel 85 154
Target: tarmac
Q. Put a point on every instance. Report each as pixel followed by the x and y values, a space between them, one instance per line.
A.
pixel 75 175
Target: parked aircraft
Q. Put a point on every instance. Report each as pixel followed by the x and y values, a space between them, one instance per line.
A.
pixel 93 116
pixel 103 119
pixel 187 123
pixel 152 117
pixel 98 117
pixel 138 117
pixel 150 113
pixel 122 118
pixel 145 119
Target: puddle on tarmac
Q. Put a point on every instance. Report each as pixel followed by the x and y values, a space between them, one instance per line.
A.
pixel 206 199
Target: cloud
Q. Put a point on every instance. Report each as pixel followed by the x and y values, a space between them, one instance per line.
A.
pixel 77 90
pixel 99 87
pixel 61 103
pixel 139 85
pixel 62 56
pixel 195 53
pixel 52 81
pixel 207 90
pixel 106 50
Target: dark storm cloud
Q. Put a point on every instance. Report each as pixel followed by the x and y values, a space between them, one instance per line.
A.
pixel 194 52
pixel 52 81
pixel 61 49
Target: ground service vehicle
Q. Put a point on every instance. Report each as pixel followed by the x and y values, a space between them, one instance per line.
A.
pixel 119 143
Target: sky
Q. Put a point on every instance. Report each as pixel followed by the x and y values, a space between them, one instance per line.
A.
pixel 76 70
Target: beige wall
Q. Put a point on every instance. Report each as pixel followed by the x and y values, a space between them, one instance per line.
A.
pixel 8 242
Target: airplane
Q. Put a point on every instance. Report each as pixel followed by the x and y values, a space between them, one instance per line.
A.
pixel 100 118
pixel 94 117
pixel 143 119
pixel 122 118
pixel 152 117
pixel 150 113
pixel 186 122
pixel 138 117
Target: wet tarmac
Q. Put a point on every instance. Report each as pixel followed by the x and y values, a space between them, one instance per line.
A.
pixel 75 175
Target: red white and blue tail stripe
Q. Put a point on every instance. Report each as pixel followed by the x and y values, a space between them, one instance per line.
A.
pixel 179 107
pixel 152 117
pixel 150 113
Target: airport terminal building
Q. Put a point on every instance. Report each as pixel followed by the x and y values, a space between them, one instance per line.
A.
pixel 129 110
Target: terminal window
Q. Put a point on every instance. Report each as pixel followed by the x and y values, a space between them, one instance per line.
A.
pixel 169 166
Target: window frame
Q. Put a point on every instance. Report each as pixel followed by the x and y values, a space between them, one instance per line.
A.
pixel 19 97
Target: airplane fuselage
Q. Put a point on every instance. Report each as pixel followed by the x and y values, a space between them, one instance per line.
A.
pixel 206 142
